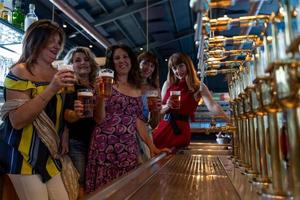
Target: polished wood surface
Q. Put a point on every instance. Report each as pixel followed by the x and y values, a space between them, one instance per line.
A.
pixel 188 174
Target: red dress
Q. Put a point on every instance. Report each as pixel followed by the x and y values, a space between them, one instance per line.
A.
pixel 164 135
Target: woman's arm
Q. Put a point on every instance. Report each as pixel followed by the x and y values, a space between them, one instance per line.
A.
pixel 25 114
pixel 65 141
pixel 141 127
pixel 164 89
pixel 166 107
pixel 211 104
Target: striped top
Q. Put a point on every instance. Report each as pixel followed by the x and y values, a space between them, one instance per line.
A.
pixel 22 151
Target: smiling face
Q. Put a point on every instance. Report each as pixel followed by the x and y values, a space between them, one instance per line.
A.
pixel 147 68
pixel 81 64
pixel 51 50
pixel 180 71
pixel 122 62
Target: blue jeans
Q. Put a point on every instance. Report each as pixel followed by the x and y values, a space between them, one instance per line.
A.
pixel 78 153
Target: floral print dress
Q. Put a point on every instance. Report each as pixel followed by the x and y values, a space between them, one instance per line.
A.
pixel 114 149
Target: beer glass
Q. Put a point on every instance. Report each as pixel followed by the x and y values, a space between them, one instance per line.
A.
pixel 86 98
pixel 63 66
pixel 107 76
pixel 152 97
pixel 175 97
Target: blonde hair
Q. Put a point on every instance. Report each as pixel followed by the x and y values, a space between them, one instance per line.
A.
pixel 192 79
pixel 89 54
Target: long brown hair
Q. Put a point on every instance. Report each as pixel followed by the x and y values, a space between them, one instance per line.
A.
pixel 150 57
pixel 36 38
pixel 89 54
pixel 134 77
pixel 191 79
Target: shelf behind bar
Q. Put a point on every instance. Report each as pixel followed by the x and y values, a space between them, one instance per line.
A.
pixel 7 31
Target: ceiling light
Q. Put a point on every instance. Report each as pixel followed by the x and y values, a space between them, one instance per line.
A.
pixel 141 49
pixel 64 25
pixel 91 46
pixel 166 60
pixel 72 36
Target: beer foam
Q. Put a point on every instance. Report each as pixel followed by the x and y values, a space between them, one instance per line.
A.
pixel 152 95
pixel 106 74
pixel 175 92
pixel 65 66
pixel 90 94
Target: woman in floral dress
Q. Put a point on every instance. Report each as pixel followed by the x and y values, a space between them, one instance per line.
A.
pixel 114 150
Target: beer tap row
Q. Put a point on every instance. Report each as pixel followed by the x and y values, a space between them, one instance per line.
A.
pixel 264 96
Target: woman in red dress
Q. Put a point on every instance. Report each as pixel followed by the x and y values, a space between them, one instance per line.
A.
pixel 174 130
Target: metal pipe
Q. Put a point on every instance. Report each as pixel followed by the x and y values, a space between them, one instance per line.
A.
pixel 261 2
pixel 294 136
pixel 72 14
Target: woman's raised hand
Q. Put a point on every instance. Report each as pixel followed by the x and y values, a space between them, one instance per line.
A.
pixel 78 108
pixel 63 78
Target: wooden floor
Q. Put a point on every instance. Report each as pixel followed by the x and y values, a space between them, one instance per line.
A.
pixel 202 171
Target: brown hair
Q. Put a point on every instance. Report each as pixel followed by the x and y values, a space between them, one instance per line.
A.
pixel 150 57
pixel 192 78
pixel 36 38
pixel 89 54
pixel 134 77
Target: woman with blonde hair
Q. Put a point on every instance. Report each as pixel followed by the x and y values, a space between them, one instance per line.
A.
pixel 76 140
pixel 173 130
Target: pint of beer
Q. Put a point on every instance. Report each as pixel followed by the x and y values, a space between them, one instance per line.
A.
pixel 63 66
pixel 175 97
pixel 152 97
pixel 86 98
pixel 107 76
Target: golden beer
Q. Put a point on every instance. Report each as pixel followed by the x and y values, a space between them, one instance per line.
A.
pixel 107 76
pixel 152 98
pixel 86 98
pixel 175 98
pixel 63 66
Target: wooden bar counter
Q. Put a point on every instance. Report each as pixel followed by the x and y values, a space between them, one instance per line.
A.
pixel 187 174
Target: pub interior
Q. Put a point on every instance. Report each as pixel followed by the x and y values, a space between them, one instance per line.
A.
pixel 245 51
